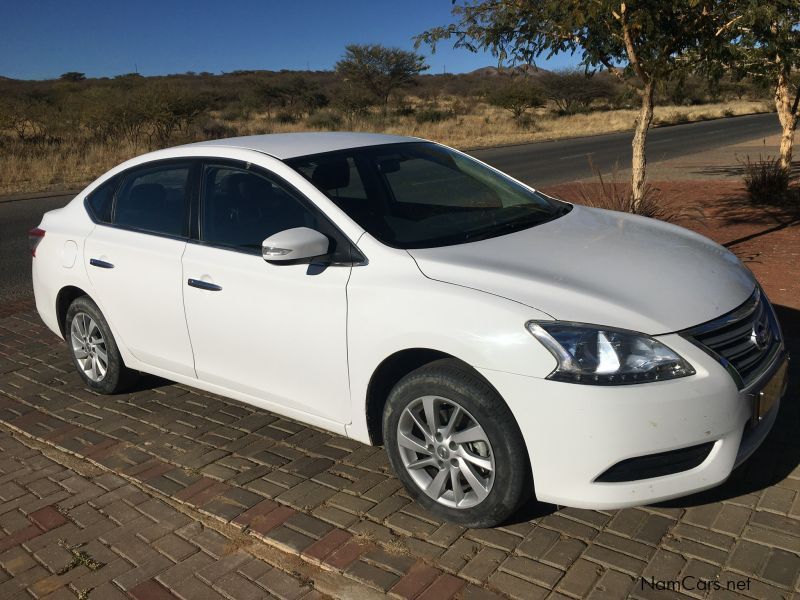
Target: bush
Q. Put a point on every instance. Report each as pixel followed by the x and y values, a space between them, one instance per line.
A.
pixel 432 115
pixel 285 118
pixel 766 181
pixel 214 130
pixel 611 194
pixel 516 96
pixel 325 120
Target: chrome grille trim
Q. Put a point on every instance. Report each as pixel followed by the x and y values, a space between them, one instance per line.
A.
pixel 744 340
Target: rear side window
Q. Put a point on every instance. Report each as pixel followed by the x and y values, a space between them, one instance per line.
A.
pixel 101 201
pixel 155 199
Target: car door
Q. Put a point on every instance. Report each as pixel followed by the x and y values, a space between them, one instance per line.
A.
pixel 274 332
pixel 134 263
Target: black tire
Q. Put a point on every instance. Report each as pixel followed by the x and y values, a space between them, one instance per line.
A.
pixel 117 376
pixel 457 384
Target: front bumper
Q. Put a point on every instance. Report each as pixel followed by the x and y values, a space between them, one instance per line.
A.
pixel 575 433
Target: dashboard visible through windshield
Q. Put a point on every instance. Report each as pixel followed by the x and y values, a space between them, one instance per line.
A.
pixel 422 195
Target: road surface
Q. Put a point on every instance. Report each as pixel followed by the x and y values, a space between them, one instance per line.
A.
pixel 539 164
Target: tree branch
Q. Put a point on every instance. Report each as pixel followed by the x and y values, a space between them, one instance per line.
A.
pixel 630 48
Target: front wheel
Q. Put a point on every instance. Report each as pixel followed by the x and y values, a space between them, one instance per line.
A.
pixel 455 445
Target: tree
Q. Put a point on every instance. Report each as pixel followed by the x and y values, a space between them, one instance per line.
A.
pixel 762 41
pixel 73 76
pixel 572 90
pixel 516 95
pixel 379 69
pixel 642 43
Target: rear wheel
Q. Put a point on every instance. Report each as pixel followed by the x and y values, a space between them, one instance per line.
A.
pixel 93 349
pixel 455 445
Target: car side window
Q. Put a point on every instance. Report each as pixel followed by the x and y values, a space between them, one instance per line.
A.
pixel 240 209
pixel 101 201
pixel 154 199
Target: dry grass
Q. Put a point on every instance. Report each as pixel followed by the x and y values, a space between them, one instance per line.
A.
pixel 73 165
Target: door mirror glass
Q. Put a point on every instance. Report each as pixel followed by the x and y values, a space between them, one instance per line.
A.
pixel 292 245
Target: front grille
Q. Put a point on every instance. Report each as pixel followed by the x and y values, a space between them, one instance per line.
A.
pixel 657 465
pixel 744 340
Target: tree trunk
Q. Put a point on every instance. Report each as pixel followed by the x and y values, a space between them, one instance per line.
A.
pixel 788 117
pixel 639 162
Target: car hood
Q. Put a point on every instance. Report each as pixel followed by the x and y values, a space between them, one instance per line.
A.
pixel 602 267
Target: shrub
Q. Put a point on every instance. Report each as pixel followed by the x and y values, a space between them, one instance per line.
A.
pixel 285 118
pixel 432 115
pixel 404 110
pixel 612 194
pixel 766 181
pixel 516 96
pixel 214 130
pixel 326 120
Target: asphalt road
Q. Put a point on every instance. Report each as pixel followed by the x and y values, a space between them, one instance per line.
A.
pixel 539 164
pixel 547 163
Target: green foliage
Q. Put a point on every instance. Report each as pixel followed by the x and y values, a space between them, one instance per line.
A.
pixel 353 103
pixel 573 90
pixel 516 95
pixel 380 70
pixel 647 38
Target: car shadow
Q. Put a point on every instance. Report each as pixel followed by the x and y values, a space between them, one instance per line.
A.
pixel 779 455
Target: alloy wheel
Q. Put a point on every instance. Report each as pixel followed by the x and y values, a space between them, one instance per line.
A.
pixel 446 451
pixel 89 346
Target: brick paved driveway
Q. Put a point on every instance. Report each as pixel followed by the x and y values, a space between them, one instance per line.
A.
pixel 334 502
pixel 92 534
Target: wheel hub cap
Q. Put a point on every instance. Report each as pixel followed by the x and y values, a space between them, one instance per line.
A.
pixel 89 347
pixel 446 452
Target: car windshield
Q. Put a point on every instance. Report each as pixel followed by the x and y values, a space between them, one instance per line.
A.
pixel 422 195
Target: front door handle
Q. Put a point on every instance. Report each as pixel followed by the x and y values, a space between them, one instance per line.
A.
pixel 96 262
pixel 204 285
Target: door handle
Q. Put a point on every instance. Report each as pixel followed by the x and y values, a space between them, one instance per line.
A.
pixel 96 262
pixel 204 285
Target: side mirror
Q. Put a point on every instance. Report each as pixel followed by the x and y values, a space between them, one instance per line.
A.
pixel 292 245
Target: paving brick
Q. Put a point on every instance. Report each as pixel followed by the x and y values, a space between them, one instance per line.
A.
pixel 479 568
pixel 308 525
pixel 782 568
pixel 372 576
pixel 222 566
pixel 517 588
pixel 418 578
pixel 531 570
pixel 329 543
pixel 289 539
pixel 47 518
pixel 265 523
pixel 150 590
pixel 580 578
pixel 283 586
pixel 345 555
pixel 234 585
pixel 174 548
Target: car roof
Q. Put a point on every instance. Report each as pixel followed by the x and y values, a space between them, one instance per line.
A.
pixel 291 145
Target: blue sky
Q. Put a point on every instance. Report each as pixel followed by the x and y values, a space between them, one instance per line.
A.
pixel 43 39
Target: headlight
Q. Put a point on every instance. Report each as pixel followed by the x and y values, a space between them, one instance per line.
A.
pixel 605 356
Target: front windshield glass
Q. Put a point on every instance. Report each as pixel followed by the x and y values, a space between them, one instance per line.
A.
pixel 422 195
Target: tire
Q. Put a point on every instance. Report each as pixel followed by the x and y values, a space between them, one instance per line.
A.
pixel 496 463
pixel 93 349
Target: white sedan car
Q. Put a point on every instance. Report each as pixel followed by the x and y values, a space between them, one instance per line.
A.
pixel 401 293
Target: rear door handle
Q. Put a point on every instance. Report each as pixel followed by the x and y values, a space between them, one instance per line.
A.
pixel 204 285
pixel 96 262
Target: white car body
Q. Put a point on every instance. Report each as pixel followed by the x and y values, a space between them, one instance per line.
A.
pixel 307 347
